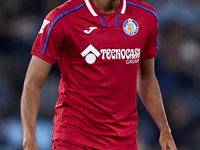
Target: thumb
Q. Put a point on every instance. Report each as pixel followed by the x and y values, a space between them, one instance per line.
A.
pixel 164 147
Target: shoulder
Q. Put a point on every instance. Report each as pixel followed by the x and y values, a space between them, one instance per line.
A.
pixel 144 8
pixel 69 7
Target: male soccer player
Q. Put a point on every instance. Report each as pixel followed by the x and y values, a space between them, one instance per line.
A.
pixel 105 50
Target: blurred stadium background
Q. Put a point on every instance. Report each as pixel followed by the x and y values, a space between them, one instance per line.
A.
pixel 177 70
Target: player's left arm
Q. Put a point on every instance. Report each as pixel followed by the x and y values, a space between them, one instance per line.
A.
pixel 149 92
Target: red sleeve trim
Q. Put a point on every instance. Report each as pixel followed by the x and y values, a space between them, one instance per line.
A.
pixel 150 56
pixel 43 57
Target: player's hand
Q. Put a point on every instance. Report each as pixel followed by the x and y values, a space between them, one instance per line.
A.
pixel 30 144
pixel 166 141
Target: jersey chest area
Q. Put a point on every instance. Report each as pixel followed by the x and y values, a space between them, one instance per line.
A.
pixel 114 37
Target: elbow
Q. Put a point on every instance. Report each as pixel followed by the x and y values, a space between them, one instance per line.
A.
pixel 146 78
pixel 144 83
pixel 30 85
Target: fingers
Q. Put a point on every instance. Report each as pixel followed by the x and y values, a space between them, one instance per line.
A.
pixel 167 146
pixel 166 141
pixel 164 147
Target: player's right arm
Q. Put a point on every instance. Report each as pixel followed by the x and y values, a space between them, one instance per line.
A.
pixel 36 75
pixel 46 51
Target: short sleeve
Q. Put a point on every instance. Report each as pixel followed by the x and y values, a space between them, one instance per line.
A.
pixel 151 45
pixel 48 43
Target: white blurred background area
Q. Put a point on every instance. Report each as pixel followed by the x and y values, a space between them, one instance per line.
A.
pixel 177 70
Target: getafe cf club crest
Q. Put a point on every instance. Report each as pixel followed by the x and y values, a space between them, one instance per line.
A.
pixel 130 27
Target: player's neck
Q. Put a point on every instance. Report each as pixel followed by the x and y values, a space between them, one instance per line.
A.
pixel 107 6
